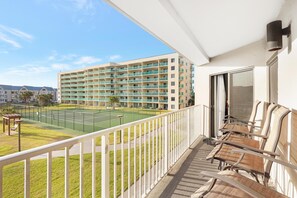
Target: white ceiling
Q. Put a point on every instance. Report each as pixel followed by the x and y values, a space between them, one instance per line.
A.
pixel 200 29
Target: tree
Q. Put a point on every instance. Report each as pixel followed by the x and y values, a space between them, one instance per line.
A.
pixel 113 100
pixel 191 101
pixel 45 99
pixel 26 96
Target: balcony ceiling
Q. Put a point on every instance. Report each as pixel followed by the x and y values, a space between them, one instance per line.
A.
pixel 201 29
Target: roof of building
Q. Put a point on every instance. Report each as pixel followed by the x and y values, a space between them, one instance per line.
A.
pixel 30 88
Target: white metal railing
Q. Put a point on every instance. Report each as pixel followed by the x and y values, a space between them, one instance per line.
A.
pixel 132 158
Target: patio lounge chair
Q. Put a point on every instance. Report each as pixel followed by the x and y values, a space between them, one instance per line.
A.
pixel 232 184
pixel 254 165
pixel 232 123
pixel 247 138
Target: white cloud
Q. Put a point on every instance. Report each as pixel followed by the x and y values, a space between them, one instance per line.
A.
pixel 85 60
pixel 60 58
pixel 60 66
pixel 16 32
pixel 115 57
pixel 10 41
pixel 10 35
pixel 83 4
pixel 27 70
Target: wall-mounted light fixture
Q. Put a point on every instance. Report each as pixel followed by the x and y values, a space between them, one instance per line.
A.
pixel 274 35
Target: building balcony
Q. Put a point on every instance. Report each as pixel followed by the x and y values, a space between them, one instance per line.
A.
pixel 150 73
pixel 163 63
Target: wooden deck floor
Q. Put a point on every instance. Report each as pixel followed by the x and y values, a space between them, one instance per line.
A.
pixel 185 178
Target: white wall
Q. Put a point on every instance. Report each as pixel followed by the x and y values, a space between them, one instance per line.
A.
pixel 285 179
pixel 202 82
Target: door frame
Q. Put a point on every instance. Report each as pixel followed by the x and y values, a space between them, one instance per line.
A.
pixel 211 94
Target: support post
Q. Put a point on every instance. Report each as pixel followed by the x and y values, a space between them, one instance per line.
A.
pixel 19 135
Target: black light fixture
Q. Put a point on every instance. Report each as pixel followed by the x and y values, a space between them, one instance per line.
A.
pixel 275 33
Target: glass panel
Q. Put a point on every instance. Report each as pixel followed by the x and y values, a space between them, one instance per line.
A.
pixel 241 94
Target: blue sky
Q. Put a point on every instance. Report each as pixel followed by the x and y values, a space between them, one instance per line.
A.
pixel 39 38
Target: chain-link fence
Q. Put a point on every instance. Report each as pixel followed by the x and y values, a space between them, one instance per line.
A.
pixel 82 119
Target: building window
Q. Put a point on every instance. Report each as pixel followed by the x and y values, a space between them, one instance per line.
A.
pixel 172 90
pixel 172 83
pixel 172 98
pixel 172 106
pixel 172 60
pixel 172 67
pixel 172 75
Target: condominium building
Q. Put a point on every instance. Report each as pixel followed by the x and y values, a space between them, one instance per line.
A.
pixel 162 82
pixel 10 93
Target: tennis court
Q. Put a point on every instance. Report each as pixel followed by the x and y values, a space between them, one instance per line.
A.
pixel 85 120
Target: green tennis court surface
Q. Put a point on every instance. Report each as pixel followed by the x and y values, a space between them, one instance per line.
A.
pixel 83 119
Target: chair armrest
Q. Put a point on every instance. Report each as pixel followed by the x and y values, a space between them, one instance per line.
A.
pixel 266 157
pixel 234 183
pixel 251 134
pixel 242 146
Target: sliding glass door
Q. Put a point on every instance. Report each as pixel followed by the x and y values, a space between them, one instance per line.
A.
pixel 241 94
pixel 231 94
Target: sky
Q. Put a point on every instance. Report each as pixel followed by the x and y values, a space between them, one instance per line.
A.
pixel 40 38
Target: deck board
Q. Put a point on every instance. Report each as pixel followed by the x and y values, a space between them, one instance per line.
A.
pixel 185 179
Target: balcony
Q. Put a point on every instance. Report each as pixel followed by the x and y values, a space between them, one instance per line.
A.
pixel 159 148
pixel 150 73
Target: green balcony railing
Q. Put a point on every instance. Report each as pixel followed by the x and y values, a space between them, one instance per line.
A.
pixel 163 71
pixel 150 87
pixel 163 63
pixel 135 74
pixel 150 73
pixel 163 79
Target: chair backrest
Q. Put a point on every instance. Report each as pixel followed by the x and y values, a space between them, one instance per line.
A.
pixel 266 127
pixel 254 113
pixel 274 134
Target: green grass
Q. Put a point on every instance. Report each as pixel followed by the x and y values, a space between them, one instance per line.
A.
pixel 33 134
pixel 13 175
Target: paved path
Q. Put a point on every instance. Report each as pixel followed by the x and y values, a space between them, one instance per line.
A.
pixel 75 149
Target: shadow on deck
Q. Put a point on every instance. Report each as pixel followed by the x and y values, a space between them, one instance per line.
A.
pixel 185 178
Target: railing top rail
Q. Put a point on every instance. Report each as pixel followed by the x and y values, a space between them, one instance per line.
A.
pixel 16 157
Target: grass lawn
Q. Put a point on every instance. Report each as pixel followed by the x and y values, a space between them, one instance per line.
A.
pixel 33 134
pixel 13 175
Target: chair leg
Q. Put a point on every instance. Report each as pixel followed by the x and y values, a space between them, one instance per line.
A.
pixel 211 185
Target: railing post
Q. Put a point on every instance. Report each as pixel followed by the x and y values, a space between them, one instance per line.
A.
pixel 105 166
pixel 202 119
pixel 188 128
pixel 166 143
pixel 1 181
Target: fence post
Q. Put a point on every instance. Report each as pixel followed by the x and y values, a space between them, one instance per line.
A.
pixel 188 128
pixel 93 122
pixel 73 124
pixel 105 166
pixel 52 117
pixel 166 143
pixel 83 121
pixel 58 117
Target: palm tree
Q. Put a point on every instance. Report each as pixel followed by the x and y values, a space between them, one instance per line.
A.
pixel 26 96
pixel 113 100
